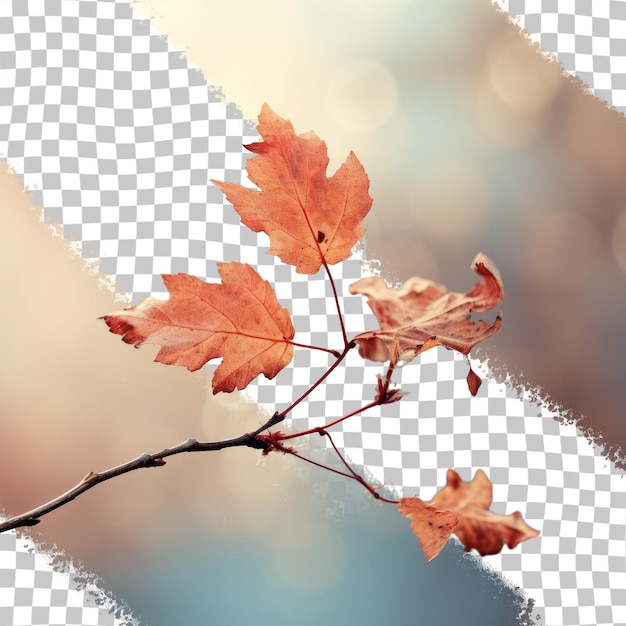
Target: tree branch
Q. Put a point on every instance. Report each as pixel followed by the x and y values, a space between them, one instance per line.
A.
pixel 254 439
pixel 33 517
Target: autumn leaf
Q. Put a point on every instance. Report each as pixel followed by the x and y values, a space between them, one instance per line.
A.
pixel 432 527
pixel 477 527
pixel 239 320
pixel 421 315
pixel 310 219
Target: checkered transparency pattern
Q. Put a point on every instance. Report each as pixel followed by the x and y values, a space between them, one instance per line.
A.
pixel 117 136
pixel 588 37
pixel 575 571
pixel 32 592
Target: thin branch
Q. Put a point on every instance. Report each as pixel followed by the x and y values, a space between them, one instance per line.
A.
pixel 356 476
pixel 335 353
pixel 321 429
pixel 352 475
pixel 33 517
pixel 381 398
pixel 337 304
pixel 281 416
pixel 254 439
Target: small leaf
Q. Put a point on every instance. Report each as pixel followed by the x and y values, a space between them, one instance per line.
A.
pixel 478 527
pixel 310 219
pixel 431 526
pixel 239 320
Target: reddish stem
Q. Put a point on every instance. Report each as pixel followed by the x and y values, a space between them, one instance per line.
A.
pixel 356 476
pixel 380 399
pixel 321 429
pixel 352 475
pixel 335 353
pixel 339 311
pixel 281 416
pixel 321 465
pixel 348 345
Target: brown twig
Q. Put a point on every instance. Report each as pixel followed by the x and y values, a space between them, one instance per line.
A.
pixel 250 440
pixel 33 517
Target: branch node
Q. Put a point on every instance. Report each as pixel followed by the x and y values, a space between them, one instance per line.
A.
pixel 91 477
pixel 260 442
pixel 273 442
pixel 275 419
pixel 146 460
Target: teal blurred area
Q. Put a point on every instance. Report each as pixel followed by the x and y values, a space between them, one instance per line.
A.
pixel 193 579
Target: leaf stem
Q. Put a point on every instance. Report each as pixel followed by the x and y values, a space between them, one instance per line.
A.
pixel 339 311
pixel 322 429
pixel 348 345
pixel 335 353
pixel 380 399
pixel 358 478
pixel 352 475
pixel 281 416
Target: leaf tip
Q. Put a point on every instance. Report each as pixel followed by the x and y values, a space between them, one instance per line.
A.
pixel 453 478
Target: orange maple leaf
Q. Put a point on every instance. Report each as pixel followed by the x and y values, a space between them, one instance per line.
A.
pixel 421 315
pixel 310 219
pixel 477 527
pixel 239 320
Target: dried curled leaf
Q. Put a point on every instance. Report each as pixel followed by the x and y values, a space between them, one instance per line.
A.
pixel 309 218
pixel 421 315
pixel 432 527
pixel 239 320
pixel 478 528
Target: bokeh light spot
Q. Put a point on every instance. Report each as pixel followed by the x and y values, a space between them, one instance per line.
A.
pixel 450 199
pixel 523 83
pixel 561 249
pixel 322 550
pixel 361 95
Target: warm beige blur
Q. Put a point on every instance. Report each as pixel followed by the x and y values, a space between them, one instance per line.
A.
pixel 473 142
pixel 75 398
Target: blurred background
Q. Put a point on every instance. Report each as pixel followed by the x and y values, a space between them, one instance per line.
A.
pixel 472 142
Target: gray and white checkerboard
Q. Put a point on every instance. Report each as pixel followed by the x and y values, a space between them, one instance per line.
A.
pixel 33 592
pixel 117 137
pixel 588 37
